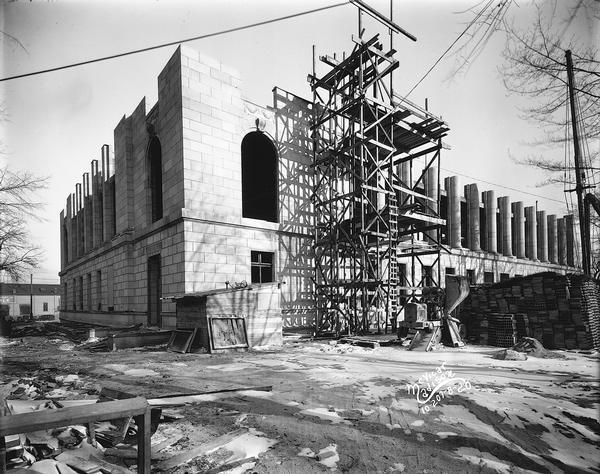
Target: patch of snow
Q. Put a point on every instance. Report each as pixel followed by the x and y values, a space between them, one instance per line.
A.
pixel 408 405
pixel 240 469
pixel 417 423
pixel 325 414
pixel 491 462
pixel 246 446
pixel 255 393
pixel 141 373
pixel 397 467
pixel 329 456
pixel 445 434
pixel 230 367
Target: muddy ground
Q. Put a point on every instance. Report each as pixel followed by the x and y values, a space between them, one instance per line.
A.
pixel 335 407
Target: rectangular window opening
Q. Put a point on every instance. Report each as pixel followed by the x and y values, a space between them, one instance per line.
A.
pixel 99 290
pixel 471 277
pixel 261 266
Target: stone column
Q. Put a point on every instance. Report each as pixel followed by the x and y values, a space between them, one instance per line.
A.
pixel 473 236
pixel 489 203
pixel 63 240
pixel 88 238
pixel 542 236
pixel 562 240
pixel 108 205
pixel 519 228
pixel 530 233
pixel 453 218
pixel 404 172
pixel 96 205
pixel 552 239
pixel 79 219
pixel 431 191
pixel 505 226
pixel 569 222
pixel 69 226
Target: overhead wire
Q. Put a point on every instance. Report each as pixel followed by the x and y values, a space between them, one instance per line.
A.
pixel 173 43
pixel 503 186
pixel 471 23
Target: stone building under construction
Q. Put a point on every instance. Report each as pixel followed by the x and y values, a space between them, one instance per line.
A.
pixel 208 190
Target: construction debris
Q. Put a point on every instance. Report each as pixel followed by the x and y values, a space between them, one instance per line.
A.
pixel 534 348
pixel 509 354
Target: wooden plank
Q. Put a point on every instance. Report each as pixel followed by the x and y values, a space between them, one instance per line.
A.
pixel 43 420
pixel 143 440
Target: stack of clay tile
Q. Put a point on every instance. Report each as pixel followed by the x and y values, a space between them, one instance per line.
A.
pixel 561 311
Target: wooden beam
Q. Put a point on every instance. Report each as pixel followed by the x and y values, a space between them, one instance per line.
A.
pixel 80 415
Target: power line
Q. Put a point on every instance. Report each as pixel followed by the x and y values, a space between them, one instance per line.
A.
pixel 471 23
pixel 504 187
pixel 172 43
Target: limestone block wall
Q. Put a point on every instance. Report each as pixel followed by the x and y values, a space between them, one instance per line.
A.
pixel 203 240
pixel 107 229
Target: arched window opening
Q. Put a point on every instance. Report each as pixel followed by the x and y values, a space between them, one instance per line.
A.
pixel 259 177
pixel 155 181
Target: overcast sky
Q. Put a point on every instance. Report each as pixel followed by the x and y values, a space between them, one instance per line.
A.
pixel 58 121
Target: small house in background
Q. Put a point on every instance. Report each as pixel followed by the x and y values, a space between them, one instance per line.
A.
pixel 16 300
pixel 232 318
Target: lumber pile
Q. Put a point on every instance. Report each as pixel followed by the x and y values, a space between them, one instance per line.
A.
pixel 562 311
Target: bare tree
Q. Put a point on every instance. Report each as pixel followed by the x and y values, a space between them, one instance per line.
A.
pixel 17 204
pixel 535 67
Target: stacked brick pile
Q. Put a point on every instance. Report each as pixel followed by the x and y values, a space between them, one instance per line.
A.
pixel 562 312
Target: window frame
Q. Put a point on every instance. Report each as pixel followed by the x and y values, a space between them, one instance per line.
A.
pixel 256 262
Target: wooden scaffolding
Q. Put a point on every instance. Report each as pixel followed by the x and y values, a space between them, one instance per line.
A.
pixel 376 193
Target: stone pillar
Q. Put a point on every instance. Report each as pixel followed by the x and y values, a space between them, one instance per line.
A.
pixel 63 240
pixel 453 218
pixel 96 205
pixel 87 215
pixel 552 239
pixel 530 233
pixel 542 236
pixel 473 236
pixel 505 226
pixel 108 204
pixel 569 222
pixel 518 229
pixel 69 226
pixel 561 225
pixel 431 190
pixel 489 203
pixel 79 219
pixel 404 171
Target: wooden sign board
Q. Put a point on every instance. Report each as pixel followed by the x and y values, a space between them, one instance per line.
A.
pixel 227 332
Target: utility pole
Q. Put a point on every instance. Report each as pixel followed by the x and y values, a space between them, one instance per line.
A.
pixel 579 174
pixel 31 295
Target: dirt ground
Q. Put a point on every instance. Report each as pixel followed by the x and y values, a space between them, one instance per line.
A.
pixel 335 407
